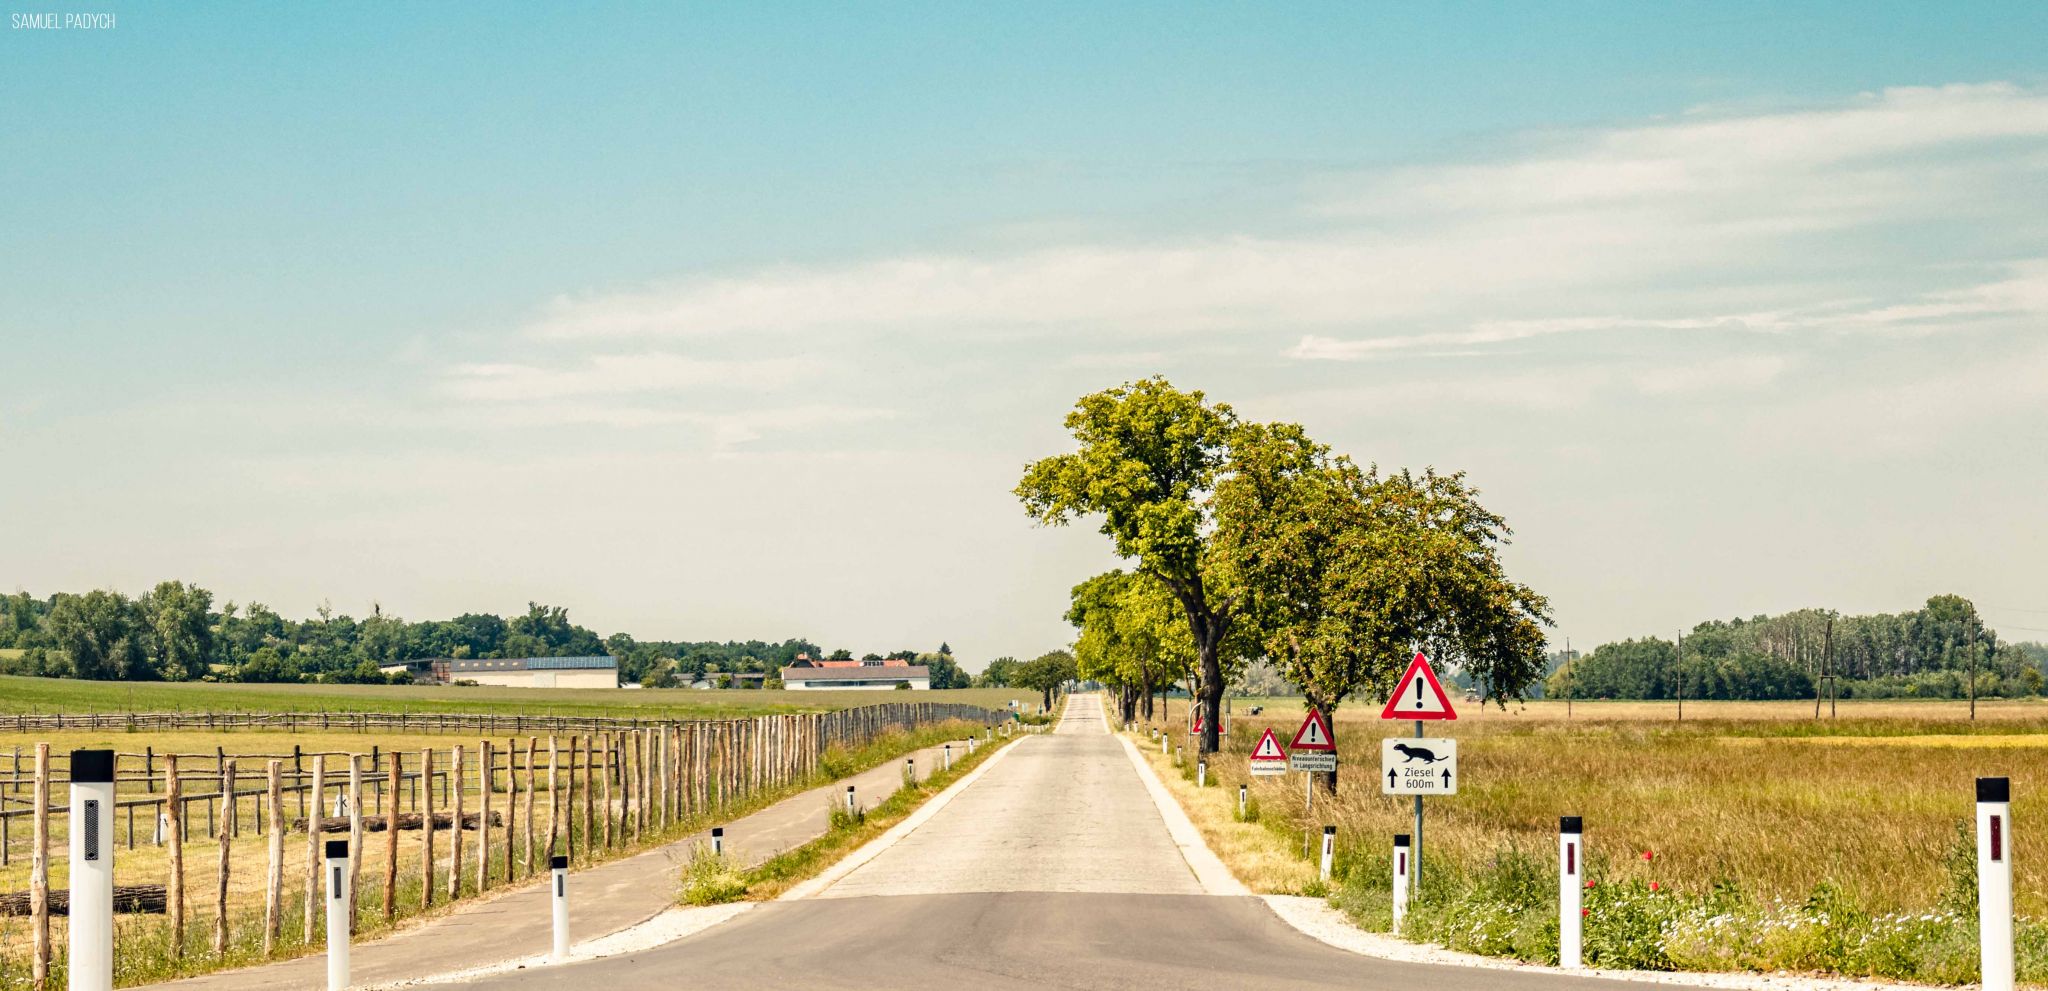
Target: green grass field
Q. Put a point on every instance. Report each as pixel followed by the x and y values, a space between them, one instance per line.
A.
pixel 66 695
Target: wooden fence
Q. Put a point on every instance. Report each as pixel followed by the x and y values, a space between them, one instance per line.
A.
pixel 609 784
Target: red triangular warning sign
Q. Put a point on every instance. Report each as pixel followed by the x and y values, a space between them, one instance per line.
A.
pixel 1314 734
pixel 1268 748
pixel 1418 695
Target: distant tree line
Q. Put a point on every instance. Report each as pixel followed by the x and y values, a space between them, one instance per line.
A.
pixel 1931 652
pixel 174 633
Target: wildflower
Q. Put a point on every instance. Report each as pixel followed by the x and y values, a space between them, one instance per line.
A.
pixel 1585 911
pixel 1647 855
pixel 1653 886
pixel 1589 885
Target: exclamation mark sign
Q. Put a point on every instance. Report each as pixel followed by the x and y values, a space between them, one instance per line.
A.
pixel 1418 693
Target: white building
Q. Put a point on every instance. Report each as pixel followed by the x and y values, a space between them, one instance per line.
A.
pixel 517 672
pixel 840 675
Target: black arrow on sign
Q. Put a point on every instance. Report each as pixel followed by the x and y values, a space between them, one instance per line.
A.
pixel 1390 779
pixel 1447 779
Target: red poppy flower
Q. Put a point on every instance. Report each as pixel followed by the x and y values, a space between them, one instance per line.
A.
pixel 1585 911
pixel 1646 855
pixel 1653 885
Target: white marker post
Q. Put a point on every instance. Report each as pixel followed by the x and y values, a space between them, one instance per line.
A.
pixel 337 915
pixel 1162 744
pixel 1202 773
pixel 1994 883
pixel 559 867
pixel 1329 849
pixel 1571 862
pixel 947 752
pixel 910 769
pixel 970 746
pixel 1400 879
pixel 92 870
pixel 1242 791
pixel 718 841
pixel 849 800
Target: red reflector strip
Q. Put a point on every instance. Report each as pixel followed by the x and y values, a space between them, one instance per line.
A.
pixel 1571 858
pixel 1997 839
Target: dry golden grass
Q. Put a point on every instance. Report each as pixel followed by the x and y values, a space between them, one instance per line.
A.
pixel 1756 793
pixel 1259 856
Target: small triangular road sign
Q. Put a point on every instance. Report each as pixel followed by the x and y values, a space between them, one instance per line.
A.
pixel 1418 695
pixel 1268 748
pixel 1314 734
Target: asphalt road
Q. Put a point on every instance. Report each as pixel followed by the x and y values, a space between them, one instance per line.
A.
pixel 1054 869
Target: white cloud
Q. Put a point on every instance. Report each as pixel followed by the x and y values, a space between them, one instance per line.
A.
pixel 620 374
pixel 1673 221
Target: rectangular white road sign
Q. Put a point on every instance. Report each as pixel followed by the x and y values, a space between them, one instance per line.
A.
pixel 1419 766
pixel 1312 760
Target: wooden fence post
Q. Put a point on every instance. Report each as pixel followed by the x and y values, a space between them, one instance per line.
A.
pixel 225 833
pixel 39 872
pixel 273 884
pixel 486 780
pixel 606 774
pixel 511 802
pixel 174 794
pixel 590 822
pixel 554 797
pixel 396 777
pixel 455 786
pixel 315 856
pixel 355 835
pixel 426 807
pixel 532 780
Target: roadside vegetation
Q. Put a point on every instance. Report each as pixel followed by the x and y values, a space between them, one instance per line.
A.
pixel 1750 837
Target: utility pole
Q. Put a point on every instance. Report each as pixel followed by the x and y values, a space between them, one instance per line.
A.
pixel 1570 676
pixel 1680 665
pixel 1973 686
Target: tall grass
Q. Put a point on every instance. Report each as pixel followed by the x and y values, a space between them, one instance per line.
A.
pixel 1774 842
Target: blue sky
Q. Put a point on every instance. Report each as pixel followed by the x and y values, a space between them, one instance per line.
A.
pixel 735 321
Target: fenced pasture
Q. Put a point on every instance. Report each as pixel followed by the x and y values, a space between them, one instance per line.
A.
pixel 25 696
pixel 218 821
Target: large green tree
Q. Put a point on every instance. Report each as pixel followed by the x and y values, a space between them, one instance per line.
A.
pixel 1345 574
pixel 180 635
pixel 102 633
pixel 1132 638
pixel 1149 455
pixel 1047 674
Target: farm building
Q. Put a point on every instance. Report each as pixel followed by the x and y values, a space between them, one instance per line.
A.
pixel 806 674
pixel 515 672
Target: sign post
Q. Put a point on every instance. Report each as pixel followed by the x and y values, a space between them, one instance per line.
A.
pixel 1419 696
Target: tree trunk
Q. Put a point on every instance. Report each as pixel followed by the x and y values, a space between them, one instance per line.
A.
pixel 1212 693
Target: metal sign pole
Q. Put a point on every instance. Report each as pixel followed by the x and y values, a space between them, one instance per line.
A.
pixel 1416 875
